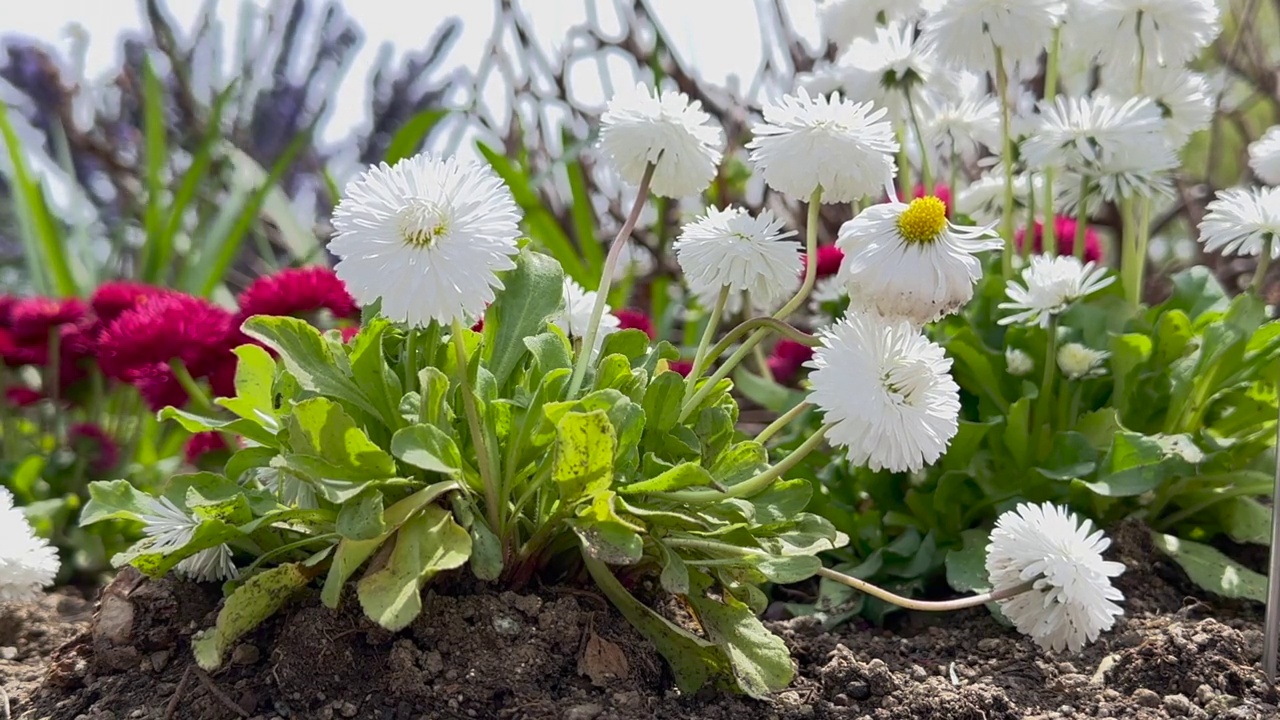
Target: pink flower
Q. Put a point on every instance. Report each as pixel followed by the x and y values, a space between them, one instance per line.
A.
pixel 1065 239
pixel 635 319
pixel 201 444
pixel 298 291
pixel 31 319
pixel 20 396
pixel 829 259
pixel 684 367
pixel 112 299
pixel 788 359
pixel 350 332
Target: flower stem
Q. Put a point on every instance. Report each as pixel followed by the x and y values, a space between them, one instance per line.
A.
pixel 1264 261
pixel 925 605
pixel 197 395
pixel 925 174
pixel 782 421
pixel 756 484
pixel 810 277
pixel 606 279
pixel 1044 402
pixel 1050 234
pixel 483 460
pixel 1028 237
pixel 1130 263
pixel 782 328
pixel 1006 156
pixel 1082 220
pixel 700 359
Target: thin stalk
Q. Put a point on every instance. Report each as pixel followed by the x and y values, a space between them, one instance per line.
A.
pixel 1044 401
pixel 197 395
pixel 1264 262
pixel 1141 238
pixel 1271 623
pixel 409 361
pixel 784 329
pixel 810 277
pixel 756 484
pixel 954 169
pixel 1006 157
pixel 606 279
pixel 700 359
pixel 925 174
pixel 477 432
pixel 1050 234
pixel 925 605
pixel 904 165
pixel 1130 265
pixel 782 421
pixel 1028 238
pixel 762 362
pixel 1082 220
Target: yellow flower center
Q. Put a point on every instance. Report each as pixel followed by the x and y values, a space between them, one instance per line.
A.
pixel 923 220
pixel 422 222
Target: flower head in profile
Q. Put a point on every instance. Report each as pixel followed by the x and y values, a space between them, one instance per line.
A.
pixel 575 316
pixel 1049 286
pixel 1079 134
pixel 1071 600
pixel 428 236
pixel 731 248
pixel 887 66
pixel 1182 96
pixel 643 126
pixel 958 127
pixel 169 528
pixel 1078 361
pixel 1264 156
pixel 805 142
pixel 27 562
pixel 1242 222
pixel 967 32
pixel 887 392
pixel 906 260
pixel 113 299
pixel 298 291
pixel 35 317
pixel 1151 32
pixel 841 21
pixel 983 199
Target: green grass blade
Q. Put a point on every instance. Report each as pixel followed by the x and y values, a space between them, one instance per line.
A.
pixel 412 134
pixel 44 247
pixel 224 248
pixel 155 154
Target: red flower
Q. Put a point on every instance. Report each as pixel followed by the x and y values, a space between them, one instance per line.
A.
pixel 634 319
pixel 157 385
pixel 479 326
pixel 298 291
pixel 829 259
pixel 201 444
pixel 31 319
pixel 684 367
pixel 1065 239
pixel 6 309
pixel 350 332
pixel 96 444
pixel 113 299
pixel 173 326
pixel 21 396
pixel 788 359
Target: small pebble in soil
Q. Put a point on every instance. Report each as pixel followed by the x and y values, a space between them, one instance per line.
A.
pixel 245 654
pixel 587 711
pixel 506 625
pixel 1146 698
pixel 8 653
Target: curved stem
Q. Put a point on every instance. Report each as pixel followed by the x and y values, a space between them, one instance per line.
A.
pixel 1006 155
pixel 782 421
pixel 700 359
pixel 754 485
pixel 925 605
pixel 784 329
pixel 606 280
pixel 477 432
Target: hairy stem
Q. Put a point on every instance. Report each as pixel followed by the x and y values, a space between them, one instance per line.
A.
pixel 925 605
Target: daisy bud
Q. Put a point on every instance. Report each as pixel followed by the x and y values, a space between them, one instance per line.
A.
pixel 27 562
pixel 643 126
pixel 1072 600
pixel 1017 362
pixel 1264 156
pixel 1077 361
pixel 169 527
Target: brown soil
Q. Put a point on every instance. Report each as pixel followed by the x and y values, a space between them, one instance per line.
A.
pixel 565 654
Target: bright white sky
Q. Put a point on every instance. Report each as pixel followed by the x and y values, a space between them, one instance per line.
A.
pixel 721 38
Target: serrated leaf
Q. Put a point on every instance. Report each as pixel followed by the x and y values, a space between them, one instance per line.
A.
pixel 255 379
pixel 761 661
pixel 1135 464
pixel 309 358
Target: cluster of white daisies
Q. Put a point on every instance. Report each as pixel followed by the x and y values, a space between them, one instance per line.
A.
pixel 27 562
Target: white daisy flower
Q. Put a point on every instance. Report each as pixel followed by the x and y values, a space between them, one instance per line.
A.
pixel 966 32
pixel 906 260
pixel 1242 221
pixel 1049 285
pixel 841 21
pixel 888 66
pixel 1017 362
pixel 1077 361
pixel 575 317
pixel 1182 96
pixel 428 236
pixel 643 126
pixel 959 127
pixel 1264 156
pixel 169 528
pixel 1079 133
pixel 983 199
pixel 27 562
pixel 731 248
pixel 805 142
pixel 1160 32
pixel 1072 599
pixel 887 390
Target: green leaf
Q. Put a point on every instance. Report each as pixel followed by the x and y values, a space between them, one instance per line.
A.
pixel 372 375
pixel 1195 291
pixel 255 380
pixel 156 156
pixel 551 351
pixel 1134 465
pixel 425 545
pixel 434 388
pixel 790 568
pixel 157 563
pixel 255 600
pixel 1128 353
pixel 662 402
pixel 632 343
pixel 486 552
pixel 675 574
pixel 584 451
pixel 532 293
pixel 361 517
pixel 427 447
pixel 975 367
pixel 761 661
pixel 412 134
pixel 197 423
pixel 44 249
pixel 967 567
pixel 684 475
pixel 1246 520
pixel 1212 570
pixel 740 462
pixel 250 458
pixel 584 222
pixel 320 428
pixel 1017 431
pixel 308 358
pixel 609 541
pixel 765 392
pixel 1072 457
pixel 114 500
